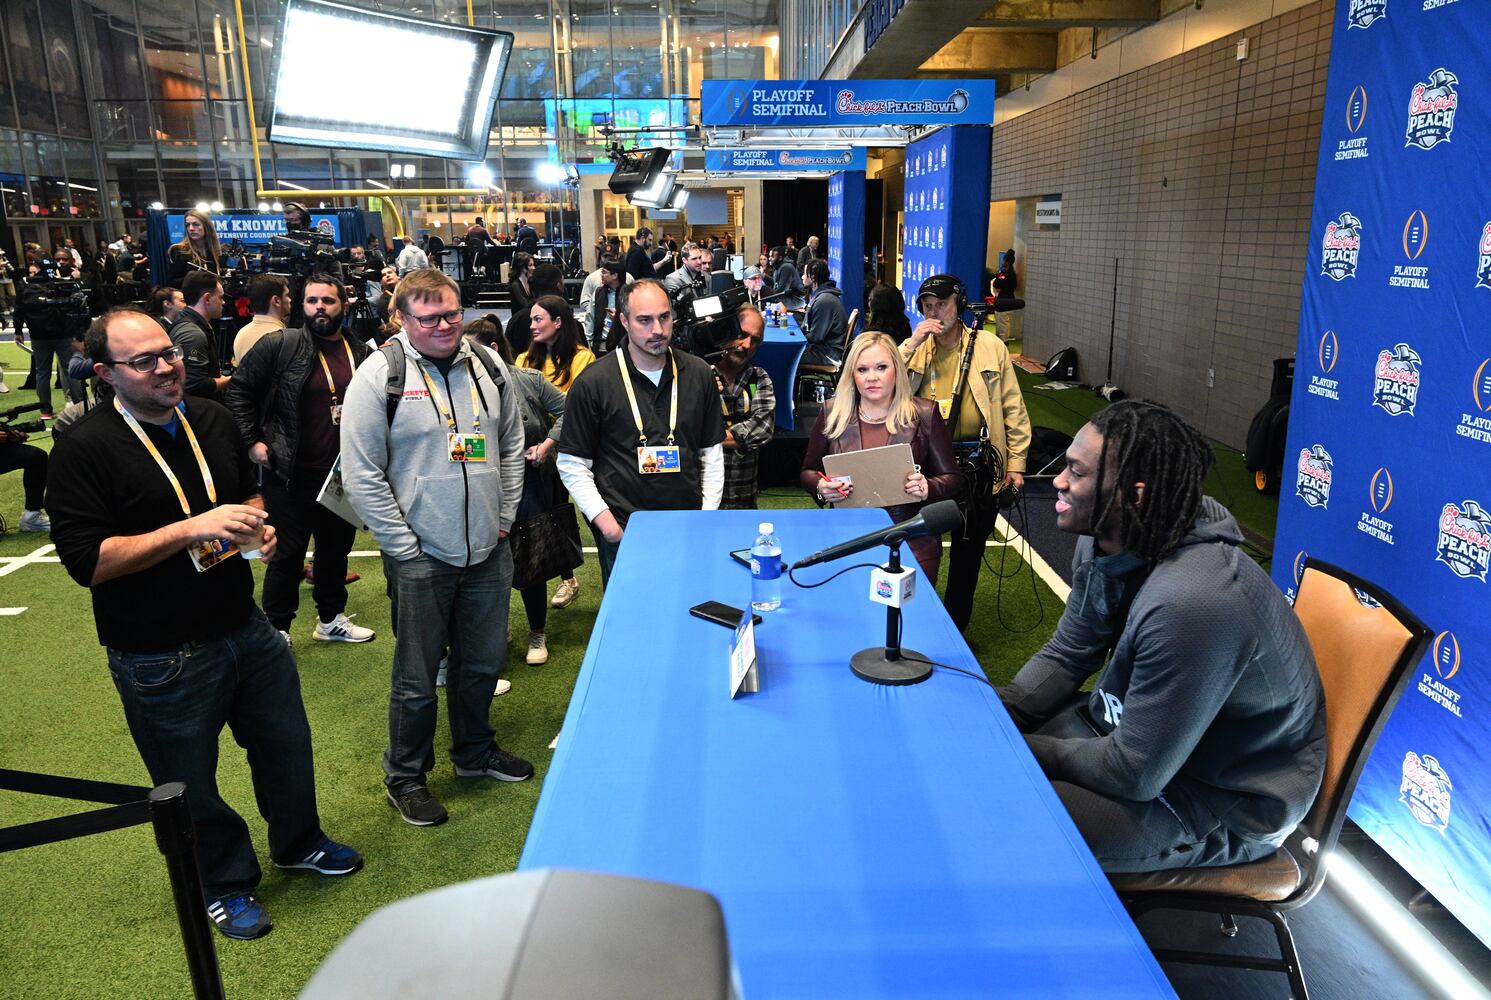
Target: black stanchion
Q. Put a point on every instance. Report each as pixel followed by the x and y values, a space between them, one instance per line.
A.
pixel 177 840
pixel 164 807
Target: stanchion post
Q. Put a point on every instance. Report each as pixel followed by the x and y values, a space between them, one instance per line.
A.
pixel 177 840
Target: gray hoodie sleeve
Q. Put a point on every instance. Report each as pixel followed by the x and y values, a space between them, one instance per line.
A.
pixel 365 458
pixel 510 436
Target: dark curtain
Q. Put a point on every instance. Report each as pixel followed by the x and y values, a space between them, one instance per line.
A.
pixel 794 208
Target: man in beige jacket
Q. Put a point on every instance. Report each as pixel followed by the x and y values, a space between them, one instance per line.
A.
pixel 991 407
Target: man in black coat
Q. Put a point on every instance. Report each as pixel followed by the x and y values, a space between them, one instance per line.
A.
pixel 286 397
pixel 638 258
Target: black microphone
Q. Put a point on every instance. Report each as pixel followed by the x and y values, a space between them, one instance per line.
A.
pixel 933 519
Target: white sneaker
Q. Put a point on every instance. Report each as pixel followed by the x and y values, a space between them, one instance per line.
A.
pixel 341 629
pixel 34 520
pixel 566 594
pixel 3 386
pixel 538 648
pixel 503 687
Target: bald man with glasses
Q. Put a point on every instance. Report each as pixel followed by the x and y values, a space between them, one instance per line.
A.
pixel 432 460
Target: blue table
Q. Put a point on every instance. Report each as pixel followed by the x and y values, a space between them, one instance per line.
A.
pixel 779 354
pixel 865 841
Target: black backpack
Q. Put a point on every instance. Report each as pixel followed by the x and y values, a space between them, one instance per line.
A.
pixel 393 353
pixel 1063 366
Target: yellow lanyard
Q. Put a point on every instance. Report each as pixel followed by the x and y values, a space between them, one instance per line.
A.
pixel 450 420
pixel 134 425
pixel 327 368
pixel 631 396
pixel 932 365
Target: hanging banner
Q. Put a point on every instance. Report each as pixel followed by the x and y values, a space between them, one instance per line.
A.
pixel 251 227
pixel 847 103
pixel 1388 466
pixel 846 236
pixel 784 161
pixel 947 181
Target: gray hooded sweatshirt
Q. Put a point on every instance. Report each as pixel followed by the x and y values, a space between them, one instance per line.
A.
pixel 400 478
pixel 1211 694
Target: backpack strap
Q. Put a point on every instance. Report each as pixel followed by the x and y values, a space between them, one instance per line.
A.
pixel 393 389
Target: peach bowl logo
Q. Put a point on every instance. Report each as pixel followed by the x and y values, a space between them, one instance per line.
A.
pixel 1395 386
pixel 1483 259
pixel 1312 482
pixel 1341 247
pixel 1431 110
pixel 1363 13
pixel 1426 790
pixel 1465 539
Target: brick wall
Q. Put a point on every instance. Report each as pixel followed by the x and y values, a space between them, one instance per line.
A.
pixel 1198 174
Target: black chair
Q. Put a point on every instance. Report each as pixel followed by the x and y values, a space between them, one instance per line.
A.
pixel 1366 645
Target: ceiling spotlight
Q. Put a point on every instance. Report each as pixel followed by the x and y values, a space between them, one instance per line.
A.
pixel 481 176
pixel 263 206
pixel 550 173
pixel 217 206
pixel 156 205
pixel 202 206
pixel 276 207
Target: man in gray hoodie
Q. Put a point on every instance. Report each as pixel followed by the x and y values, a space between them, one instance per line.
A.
pixel 432 461
pixel 1202 741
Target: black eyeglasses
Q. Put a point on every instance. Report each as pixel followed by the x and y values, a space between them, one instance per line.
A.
pixel 146 363
pixel 431 322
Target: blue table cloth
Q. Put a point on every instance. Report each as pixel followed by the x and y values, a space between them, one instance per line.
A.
pixel 780 354
pixel 864 841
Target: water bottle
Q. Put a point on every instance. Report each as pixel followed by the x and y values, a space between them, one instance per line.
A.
pixel 766 570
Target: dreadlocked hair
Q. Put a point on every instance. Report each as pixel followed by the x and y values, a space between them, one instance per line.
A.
pixel 1150 444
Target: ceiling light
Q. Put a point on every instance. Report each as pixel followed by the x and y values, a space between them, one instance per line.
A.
pixel 453 121
pixel 481 175
pixel 202 206
pixel 550 173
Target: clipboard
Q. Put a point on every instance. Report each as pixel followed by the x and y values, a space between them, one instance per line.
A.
pixel 879 475
pixel 333 497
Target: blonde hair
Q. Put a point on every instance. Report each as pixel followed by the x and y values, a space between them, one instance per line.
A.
pixel 845 405
pixel 209 242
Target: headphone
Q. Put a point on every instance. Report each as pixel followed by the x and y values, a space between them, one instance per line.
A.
pixel 942 286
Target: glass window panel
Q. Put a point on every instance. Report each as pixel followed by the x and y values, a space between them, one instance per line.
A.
pixel 235 165
pixel 303 165
pixel 48 180
pixel 173 55
pixel 28 66
pixel 13 194
pixel 116 52
pixel 530 70
pixel 182 121
pixel 219 34
pixel 131 178
pixel 82 179
pixel 7 106
pixel 66 68
pixel 230 120
pixel 188 175
pixel 123 121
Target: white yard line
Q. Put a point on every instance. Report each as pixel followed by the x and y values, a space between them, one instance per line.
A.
pixel 14 563
pixel 11 612
pixel 1042 568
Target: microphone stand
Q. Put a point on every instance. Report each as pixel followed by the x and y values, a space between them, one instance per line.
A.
pixel 888 665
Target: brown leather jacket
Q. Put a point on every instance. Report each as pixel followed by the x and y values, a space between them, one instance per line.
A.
pixel 931 448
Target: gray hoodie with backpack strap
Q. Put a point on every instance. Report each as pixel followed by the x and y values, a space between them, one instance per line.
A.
pixel 396 462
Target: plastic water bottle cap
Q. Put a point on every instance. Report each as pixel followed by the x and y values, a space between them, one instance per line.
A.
pixel 766 527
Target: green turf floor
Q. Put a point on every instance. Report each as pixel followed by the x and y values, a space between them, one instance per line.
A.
pixel 93 917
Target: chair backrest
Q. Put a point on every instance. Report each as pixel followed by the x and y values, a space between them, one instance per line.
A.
pixel 1366 646
pixel 849 329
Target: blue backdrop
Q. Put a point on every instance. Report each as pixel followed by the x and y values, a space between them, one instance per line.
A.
pixel 1390 427
pixel 846 235
pixel 947 179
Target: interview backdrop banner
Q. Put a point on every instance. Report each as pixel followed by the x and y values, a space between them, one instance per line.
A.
pixel 784 161
pixel 946 219
pixel 851 103
pixel 846 236
pixel 1388 467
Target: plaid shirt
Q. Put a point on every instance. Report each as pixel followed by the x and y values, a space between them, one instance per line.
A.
pixel 751 417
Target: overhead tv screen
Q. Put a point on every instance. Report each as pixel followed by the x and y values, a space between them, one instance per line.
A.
pixel 451 118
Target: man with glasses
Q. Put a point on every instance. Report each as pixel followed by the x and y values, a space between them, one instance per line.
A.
pixel 286 397
pixel 155 509
pixel 432 459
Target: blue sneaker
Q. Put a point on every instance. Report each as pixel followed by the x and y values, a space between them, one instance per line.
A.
pixel 330 858
pixel 240 916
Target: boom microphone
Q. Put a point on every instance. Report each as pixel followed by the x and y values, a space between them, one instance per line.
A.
pixel 933 519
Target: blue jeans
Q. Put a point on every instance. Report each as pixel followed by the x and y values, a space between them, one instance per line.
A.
pixel 438 606
pixel 42 353
pixel 605 554
pixel 177 701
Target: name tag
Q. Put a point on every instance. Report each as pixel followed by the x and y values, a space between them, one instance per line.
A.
pixel 336 415
pixel 654 459
pixel 467 447
pixel 205 555
pixel 945 407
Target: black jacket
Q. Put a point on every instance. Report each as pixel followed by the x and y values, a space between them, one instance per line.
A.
pixel 195 335
pixel 264 393
pixel 638 263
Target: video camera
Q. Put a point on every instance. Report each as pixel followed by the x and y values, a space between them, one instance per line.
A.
pixel 301 252
pixel 8 419
pixel 708 321
pixel 54 306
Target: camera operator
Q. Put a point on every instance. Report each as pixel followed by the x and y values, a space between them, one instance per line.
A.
pixel 688 282
pixel 360 276
pixel 297 217
pixel 749 403
pixel 197 251
pixel 15 453
pixel 986 416
pixel 54 304
pixel 269 298
pixel 193 332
